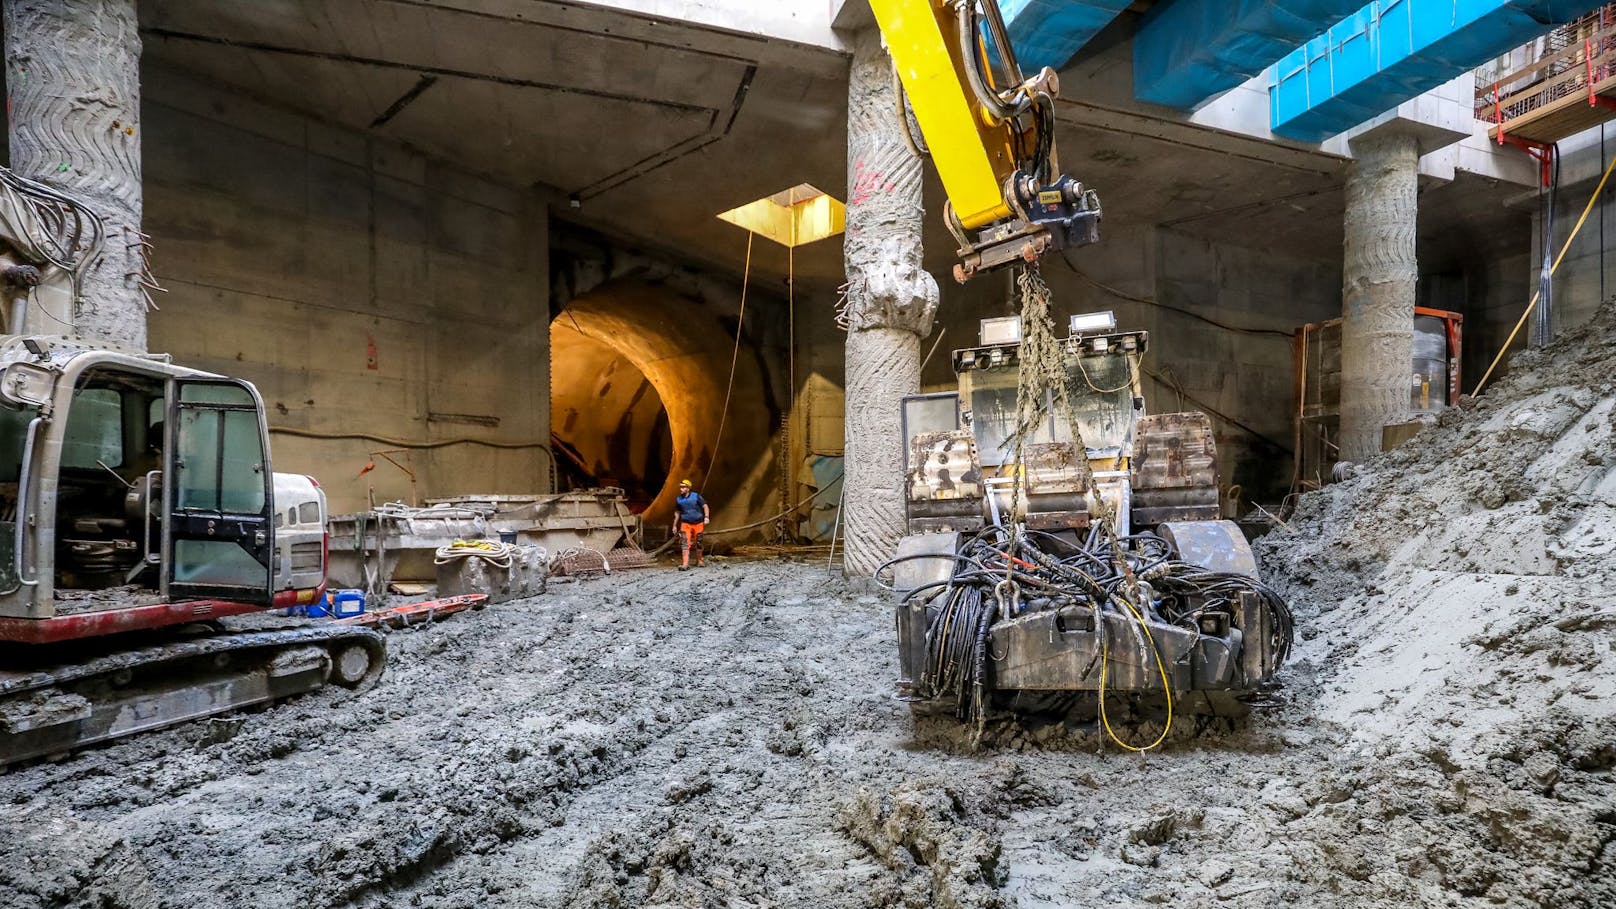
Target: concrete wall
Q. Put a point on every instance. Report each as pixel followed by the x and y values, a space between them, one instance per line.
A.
pixel 364 288
pixel 1588 274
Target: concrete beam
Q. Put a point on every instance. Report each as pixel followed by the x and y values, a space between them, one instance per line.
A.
pixel 1436 119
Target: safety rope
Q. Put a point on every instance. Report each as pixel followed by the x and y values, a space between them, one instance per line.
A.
pixel 734 358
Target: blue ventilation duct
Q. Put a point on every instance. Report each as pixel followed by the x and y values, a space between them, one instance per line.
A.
pixel 1393 50
pixel 1048 32
pixel 1187 51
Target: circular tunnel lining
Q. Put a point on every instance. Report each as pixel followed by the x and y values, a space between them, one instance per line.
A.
pixel 610 425
pixel 628 332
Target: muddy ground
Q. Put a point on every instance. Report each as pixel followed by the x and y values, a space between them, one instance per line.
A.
pixel 727 737
pixel 719 738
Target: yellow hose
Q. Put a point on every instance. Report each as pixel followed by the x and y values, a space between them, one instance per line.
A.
pixel 1167 688
pixel 1552 269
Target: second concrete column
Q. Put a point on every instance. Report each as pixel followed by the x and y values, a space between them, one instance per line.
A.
pixel 891 301
pixel 1379 275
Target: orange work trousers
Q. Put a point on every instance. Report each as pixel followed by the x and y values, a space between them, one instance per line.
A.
pixel 690 538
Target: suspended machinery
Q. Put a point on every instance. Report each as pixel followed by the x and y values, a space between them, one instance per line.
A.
pixel 1049 566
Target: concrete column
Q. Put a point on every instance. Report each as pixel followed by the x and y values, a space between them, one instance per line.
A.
pixel 1379 273
pixel 890 304
pixel 73 74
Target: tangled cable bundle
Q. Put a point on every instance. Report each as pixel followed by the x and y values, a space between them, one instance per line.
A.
pixel 999 575
pixel 497 554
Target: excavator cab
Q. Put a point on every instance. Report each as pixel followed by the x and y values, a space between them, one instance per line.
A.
pixel 130 486
pixel 137 497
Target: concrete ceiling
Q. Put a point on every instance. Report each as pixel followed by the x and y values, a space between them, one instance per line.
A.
pixel 654 127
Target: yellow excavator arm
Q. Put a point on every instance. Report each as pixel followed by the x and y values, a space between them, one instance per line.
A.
pixel 994 148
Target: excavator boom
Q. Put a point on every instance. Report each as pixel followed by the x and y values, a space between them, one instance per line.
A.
pixel 994 147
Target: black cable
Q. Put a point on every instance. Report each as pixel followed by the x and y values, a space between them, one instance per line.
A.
pixel 1135 576
pixel 1146 301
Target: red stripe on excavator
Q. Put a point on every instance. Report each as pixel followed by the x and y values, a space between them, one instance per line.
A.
pixel 137 618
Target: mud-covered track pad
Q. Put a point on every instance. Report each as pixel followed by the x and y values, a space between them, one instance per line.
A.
pixel 54 709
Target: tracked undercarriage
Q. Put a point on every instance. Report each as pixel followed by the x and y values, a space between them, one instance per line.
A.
pixel 58 699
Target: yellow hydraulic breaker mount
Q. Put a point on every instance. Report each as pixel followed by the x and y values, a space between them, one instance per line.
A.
pixel 974 154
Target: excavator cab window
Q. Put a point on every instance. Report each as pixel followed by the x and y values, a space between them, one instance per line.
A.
pixel 992 396
pixel 105 533
pixel 220 533
pixel 1100 387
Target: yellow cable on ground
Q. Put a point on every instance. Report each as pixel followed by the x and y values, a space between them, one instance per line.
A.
pixel 1552 269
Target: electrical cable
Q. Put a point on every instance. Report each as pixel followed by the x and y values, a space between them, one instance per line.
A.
pixel 734 358
pixel 1564 248
pixel 398 443
pixel 1175 386
pixel 773 518
pixel 1146 301
pixel 998 573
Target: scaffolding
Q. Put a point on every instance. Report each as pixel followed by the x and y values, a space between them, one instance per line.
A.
pixel 1554 87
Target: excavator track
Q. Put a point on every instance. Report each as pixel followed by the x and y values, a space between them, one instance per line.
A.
pixel 53 709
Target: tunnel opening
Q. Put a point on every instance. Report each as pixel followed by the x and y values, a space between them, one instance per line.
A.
pixel 707 414
pixel 610 426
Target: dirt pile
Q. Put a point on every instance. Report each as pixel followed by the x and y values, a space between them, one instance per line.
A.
pixel 1458 621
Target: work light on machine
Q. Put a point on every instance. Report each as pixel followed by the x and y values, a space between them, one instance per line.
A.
pixel 1091 322
pixel 1002 330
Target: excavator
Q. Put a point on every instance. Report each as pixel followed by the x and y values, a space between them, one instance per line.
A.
pixel 1065 551
pixel 994 146
pixel 138 509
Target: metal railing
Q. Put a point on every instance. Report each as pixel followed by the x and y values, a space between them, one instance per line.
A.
pixel 1565 63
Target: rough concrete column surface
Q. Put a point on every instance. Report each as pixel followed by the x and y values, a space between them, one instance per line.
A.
pixel 73 77
pixel 890 304
pixel 1379 274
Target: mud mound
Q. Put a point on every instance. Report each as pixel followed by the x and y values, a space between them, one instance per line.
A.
pixel 1456 613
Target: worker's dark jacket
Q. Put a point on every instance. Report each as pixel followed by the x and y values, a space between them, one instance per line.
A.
pixel 690 508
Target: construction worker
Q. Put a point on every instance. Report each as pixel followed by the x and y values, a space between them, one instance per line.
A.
pixel 690 516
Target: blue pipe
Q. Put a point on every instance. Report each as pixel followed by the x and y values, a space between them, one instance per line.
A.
pixel 1188 51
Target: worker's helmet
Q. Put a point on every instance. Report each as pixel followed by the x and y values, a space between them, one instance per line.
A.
pixel 684 484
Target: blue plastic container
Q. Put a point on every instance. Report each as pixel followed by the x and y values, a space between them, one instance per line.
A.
pixel 319 609
pixel 348 603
